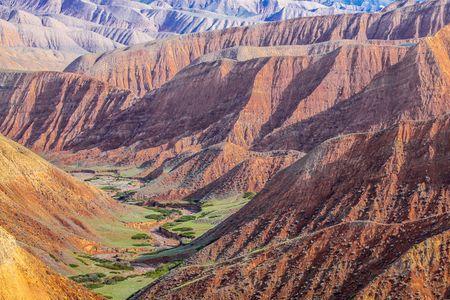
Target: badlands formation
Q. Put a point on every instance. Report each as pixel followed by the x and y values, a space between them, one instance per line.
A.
pixel 306 158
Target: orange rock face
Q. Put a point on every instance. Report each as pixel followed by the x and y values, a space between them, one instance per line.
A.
pixel 378 226
pixel 44 208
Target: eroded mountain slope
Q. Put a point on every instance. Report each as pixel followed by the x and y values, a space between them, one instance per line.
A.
pixel 380 219
pixel 44 208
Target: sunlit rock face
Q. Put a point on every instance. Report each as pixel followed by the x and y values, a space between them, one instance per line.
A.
pixel 7 247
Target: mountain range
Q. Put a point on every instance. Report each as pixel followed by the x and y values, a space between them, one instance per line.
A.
pixel 58 31
pixel 329 121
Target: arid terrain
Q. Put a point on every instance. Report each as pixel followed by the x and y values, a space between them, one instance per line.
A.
pixel 307 158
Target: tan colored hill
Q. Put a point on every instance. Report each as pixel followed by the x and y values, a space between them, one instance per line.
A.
pixel 34 59
pixel 362 215
pixel 24 277
pixel 44 208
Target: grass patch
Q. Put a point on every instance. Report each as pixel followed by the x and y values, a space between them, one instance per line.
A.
pixel 183 229
pixel 142 245
pixel 213 212
pixel 124 196
pixel 92 277
pixel 162 270
pixel 107 264
pixel 121 290
pixel 140 236
pixel 249 195
pixel 109 188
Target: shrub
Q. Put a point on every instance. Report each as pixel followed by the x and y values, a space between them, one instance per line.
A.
pixel 188 234
pixel 124 196
pixel 183 229
pixel 109 188
pixel 114 280
pixel 169 225
pixel 91 277
pixel 185 218
pixel 156 217
pixel 142 245
pixel 162 270
pixel 140 236
pixel 114 266
pixel 73 265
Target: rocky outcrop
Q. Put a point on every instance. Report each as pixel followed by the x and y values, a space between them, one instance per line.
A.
pixel 379 220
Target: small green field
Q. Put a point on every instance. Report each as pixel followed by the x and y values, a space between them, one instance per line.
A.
pixel 124 289
pixel 213 212
pixel 116 233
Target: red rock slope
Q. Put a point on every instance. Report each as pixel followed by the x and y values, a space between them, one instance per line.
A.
pixel 215 112
pixel 378 226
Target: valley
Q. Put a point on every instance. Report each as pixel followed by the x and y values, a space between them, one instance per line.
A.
pixel 224 149
pixel 114 270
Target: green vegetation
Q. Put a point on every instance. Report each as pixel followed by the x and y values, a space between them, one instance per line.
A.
pixel 183 229
pixel 116 233
pixel 142 245
pixel 249 195
pixel 107 264
pixel 185 218
pixel 162 270
pixel 90 278
pixel 121 290
pixel 213 212
pixel 124 196
pixel 109 188
pixel 140 236
pixel 156 217
pixel 73 265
